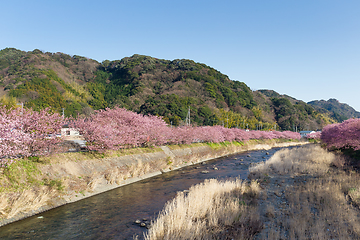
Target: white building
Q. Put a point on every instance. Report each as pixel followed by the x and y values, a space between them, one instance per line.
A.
pixel 69 132
pixel 305 133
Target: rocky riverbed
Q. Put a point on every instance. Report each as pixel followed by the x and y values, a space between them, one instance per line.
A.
pixel 307 193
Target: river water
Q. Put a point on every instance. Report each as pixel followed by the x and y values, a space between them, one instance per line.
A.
pixel 111 215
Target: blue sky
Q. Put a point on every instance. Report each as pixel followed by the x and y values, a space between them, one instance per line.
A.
pixel 307 49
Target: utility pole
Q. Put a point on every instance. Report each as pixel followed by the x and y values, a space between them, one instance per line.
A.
pixel 227 120
pixel 63 112
pixel 187 120
pixel 22 106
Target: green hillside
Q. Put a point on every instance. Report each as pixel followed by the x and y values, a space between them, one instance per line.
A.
pixel 338 111
pixel 147 85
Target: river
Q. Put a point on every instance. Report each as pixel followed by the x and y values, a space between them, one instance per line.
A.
pixel 111 215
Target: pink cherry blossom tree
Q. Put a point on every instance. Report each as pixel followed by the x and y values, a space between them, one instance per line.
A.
pixel 24 132
pixel 342 135
pixel 315 135
pixel 120 128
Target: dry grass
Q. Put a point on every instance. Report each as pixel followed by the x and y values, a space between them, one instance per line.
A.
pixel 310 198
pixel 24 201
pixel 82 156
pixel 310 159
pixel 137 169
pixel 182 146
pixel 317 209
pixel 210 210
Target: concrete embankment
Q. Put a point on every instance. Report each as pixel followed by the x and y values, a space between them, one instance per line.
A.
pixel 70 178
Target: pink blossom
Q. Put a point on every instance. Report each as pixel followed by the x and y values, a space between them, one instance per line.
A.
pixel 342 135
pixel 314 135
pixel 24 132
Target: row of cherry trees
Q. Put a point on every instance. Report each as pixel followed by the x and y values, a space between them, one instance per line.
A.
pixel 342 135
pixel 119 128
pixel 24 132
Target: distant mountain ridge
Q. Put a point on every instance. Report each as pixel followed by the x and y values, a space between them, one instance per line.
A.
pixel 337 110
pixel 147 85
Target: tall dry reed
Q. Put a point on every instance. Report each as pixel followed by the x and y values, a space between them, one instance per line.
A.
pixel 310 159
pixel 316 201
pixel 210 210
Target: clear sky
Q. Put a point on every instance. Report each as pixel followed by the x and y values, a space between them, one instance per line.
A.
pixel 308 49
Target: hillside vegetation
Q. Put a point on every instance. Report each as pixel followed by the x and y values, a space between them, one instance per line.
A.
pixel 148 85
pixel 335 109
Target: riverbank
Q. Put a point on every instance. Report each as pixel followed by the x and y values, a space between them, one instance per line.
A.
pixel 307 193
pixel 36 185
pixel 298 193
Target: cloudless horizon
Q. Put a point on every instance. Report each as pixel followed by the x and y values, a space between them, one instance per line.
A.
pixel 306 49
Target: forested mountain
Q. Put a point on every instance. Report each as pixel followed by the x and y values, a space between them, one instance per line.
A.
pixel 147 85
pixel 335 109
pixel 41 80
pixel 291 113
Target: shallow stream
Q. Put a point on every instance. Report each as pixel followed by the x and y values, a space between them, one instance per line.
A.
pixel 111 215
